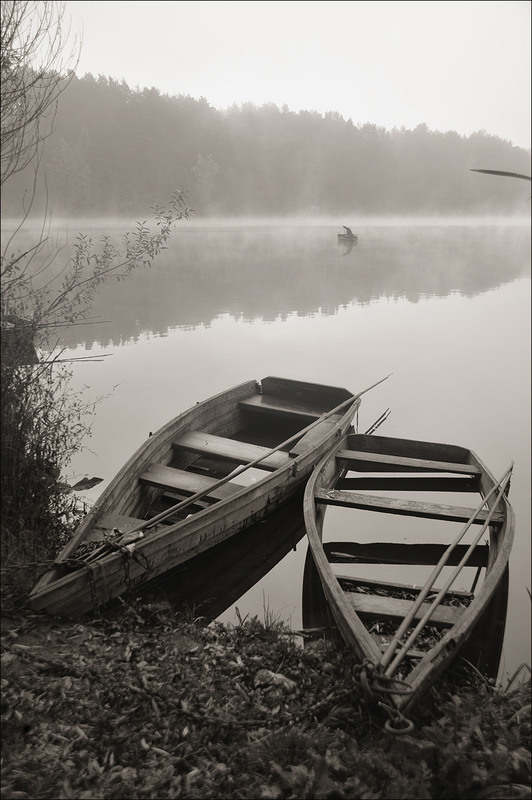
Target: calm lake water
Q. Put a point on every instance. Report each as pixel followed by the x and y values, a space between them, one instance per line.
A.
pixel 443 306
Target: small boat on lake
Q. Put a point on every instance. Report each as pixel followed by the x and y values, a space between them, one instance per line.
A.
pixel 215 469
pixel 348 237
pixel 404 634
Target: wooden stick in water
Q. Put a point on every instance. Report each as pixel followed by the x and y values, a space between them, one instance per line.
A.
pixel 443 591
pixel 378 422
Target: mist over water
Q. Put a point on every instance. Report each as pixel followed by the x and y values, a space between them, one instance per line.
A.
pixel 260 269
pixel 443 305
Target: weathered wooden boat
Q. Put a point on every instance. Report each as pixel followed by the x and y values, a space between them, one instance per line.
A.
pixel 212 471
pixel 405 634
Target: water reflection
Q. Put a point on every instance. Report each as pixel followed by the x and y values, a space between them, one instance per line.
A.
pixel 210 583
pixel 446 308
pixel 265 273
pixel 347 246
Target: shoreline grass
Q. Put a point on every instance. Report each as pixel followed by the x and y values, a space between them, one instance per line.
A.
pixel 145 703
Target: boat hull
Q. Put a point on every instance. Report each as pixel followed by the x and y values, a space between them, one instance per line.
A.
pixel 204 445
pixel 359 464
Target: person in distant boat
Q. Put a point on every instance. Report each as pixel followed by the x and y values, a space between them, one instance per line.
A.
pixel 348 231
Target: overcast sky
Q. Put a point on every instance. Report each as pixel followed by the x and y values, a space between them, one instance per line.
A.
pixel 462 66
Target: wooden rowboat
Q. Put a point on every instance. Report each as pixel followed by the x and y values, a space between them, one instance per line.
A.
pixel 212 471
pixel 404 634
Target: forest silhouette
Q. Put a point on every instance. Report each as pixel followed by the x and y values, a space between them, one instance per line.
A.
pixel 117 150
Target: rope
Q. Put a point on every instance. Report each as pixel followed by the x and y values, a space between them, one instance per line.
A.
pixel 128 553
pixel 375 686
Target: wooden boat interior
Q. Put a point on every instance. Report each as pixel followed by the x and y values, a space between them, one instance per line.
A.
pixel 381 566
pixel 195 451
pixel 255 424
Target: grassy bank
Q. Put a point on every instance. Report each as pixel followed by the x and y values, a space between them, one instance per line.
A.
pixel 142 704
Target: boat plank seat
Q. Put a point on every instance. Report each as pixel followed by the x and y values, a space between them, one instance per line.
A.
pixel 271 404
pixel 207 444
pixel 395 553
pixel 188 483
pixel 168 499
pixel 377 584
pixel 412 484
pixel 411 508
pixel 372 605
pixel 379 462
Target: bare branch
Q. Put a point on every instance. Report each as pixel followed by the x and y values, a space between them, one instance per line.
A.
pixel 35 68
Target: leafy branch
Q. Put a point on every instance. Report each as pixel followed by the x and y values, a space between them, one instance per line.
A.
pixel 66 295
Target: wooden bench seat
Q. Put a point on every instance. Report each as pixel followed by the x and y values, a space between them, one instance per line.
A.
pixel 375 606
pixel 414 483
pixel 398 553
pixel 187 483
pixel 411 508
pixel 278 405
pixel 207 444
pixel 377 584
pixel 379 462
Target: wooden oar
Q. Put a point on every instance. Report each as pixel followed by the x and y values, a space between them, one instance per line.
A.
pixel 388 654
pixel 189 500
pixel 378 422
pixel 501 485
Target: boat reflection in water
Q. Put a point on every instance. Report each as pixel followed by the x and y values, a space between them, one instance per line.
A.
pixel 210 583
pixel 347 244
pixel 347 240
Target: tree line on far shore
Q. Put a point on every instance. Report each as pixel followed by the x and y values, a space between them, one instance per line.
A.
pixel 117 150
